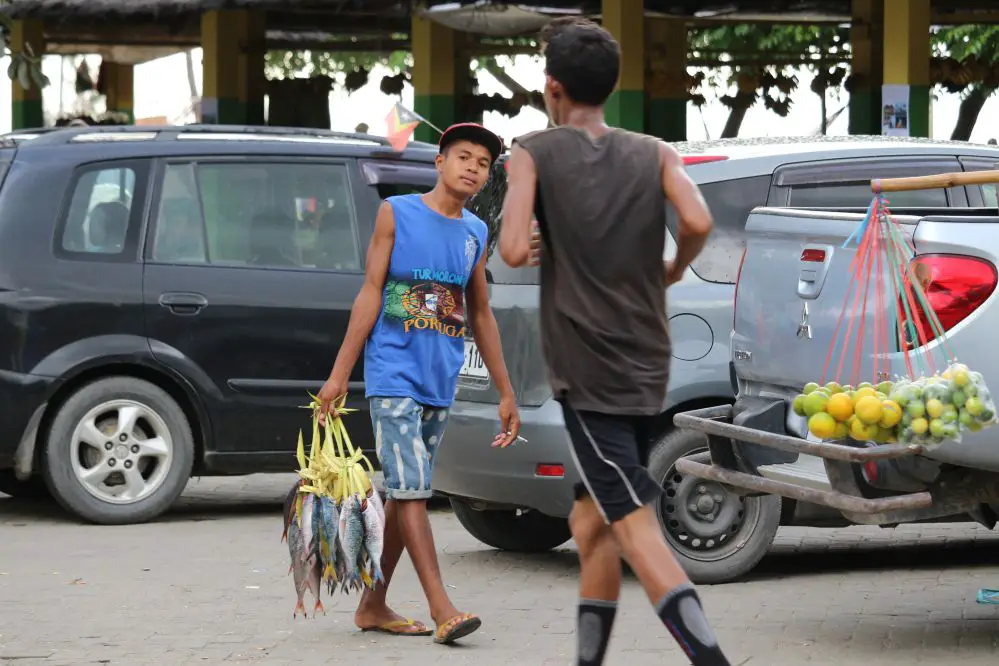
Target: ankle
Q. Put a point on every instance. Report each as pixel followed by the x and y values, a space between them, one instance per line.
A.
pixel 371 605
pixel 443 614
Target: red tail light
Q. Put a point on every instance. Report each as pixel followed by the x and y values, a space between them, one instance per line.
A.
pixel 738 275
pixel 551 470
pixel 701 159
pixel 955 286
pixel 813 255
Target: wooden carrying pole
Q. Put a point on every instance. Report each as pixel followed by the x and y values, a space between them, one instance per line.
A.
pixel 940 180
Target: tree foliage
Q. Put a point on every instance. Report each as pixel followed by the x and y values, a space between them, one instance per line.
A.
pixel 761 60
pixel 966 61
pixel 336 65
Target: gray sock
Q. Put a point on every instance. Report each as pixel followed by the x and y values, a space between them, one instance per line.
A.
pixel 680 610
pixel 596 618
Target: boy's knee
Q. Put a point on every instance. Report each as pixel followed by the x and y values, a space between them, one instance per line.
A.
pixel 635 531
pixel 587 525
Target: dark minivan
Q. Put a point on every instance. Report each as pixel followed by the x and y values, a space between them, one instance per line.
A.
pixel 167 297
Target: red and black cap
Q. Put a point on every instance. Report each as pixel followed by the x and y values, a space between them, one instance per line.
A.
pixel 476 134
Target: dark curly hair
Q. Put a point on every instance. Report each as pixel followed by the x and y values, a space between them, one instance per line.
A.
pixel 583 57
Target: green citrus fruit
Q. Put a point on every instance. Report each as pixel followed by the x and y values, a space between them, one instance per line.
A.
pixel 814 403
pixel 799 404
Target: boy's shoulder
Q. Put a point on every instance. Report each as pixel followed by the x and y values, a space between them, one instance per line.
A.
pixel 402 199
pixel 475 222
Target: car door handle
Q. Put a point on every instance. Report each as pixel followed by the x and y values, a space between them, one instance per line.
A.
pixel 183 303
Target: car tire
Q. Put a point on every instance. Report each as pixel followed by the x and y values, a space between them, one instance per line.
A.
pixel 519 532
pixel 33 488
pixel 130 439
pixel 714 541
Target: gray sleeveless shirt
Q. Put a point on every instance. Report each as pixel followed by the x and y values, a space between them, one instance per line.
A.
pixel 602 213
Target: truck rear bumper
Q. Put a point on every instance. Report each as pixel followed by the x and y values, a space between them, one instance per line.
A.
pixel 726 438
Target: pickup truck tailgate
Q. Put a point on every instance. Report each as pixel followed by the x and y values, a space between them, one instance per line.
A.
pixel 793 285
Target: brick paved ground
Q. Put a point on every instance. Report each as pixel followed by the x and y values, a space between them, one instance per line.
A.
pixel 208 585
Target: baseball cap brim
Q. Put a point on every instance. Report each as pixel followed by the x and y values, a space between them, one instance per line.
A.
pixel 475 133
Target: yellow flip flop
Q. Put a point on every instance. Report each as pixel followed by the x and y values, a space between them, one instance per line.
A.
pixel 400 627
pixel 457 627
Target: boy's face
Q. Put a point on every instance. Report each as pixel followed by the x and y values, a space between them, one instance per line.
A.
pixel 464 167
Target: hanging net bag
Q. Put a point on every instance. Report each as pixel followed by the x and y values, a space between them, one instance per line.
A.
pixel 931 397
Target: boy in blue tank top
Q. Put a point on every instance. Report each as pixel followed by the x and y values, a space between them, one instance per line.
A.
pixel 425 286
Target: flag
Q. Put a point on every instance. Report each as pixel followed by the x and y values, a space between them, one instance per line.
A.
pixel 401 124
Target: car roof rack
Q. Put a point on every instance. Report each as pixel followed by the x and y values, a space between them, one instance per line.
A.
pixel 171 132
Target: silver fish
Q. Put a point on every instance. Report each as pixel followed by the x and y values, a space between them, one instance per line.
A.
pixel 317 520
pixel 351 539
pixel 296 544
pixel 289 509
pixel 313 580
pixel 328 550
pixel 308 507
pixel 374 538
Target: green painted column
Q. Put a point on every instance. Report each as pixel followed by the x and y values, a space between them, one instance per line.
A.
pixel 907 61
pixel 26 104
pixel 120 90
pixel 224 35
pixel 625 19
pixel 666 79
pixel 434 70
pixel 867 64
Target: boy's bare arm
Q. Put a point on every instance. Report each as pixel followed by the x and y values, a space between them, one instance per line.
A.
pixel 516 237
pixel 695 221
pixel 366 309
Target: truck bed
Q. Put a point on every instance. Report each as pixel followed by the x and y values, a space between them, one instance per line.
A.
pixel 778 293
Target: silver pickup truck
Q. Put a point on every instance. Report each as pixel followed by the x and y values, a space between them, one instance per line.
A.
pixel 786 311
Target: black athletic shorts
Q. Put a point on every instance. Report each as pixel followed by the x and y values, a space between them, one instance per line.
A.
pixel 611 453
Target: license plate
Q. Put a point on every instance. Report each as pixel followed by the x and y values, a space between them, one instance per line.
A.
pixel 473 367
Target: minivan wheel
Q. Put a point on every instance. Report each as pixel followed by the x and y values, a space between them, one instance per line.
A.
pixel 717 535
pixel 119 451
pixel 32 488
pixel 516 531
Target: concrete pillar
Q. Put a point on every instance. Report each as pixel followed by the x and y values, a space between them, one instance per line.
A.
pixel 666 80
pixel 625 19
pixel 907 58
pixel 224 36
pixel 26 112
pixel 120 87
pixel 867 44
pixel 434 72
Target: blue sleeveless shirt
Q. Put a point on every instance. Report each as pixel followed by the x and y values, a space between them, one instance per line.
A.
pixel 417 346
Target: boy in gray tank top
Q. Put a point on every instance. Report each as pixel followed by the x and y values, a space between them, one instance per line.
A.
pixel 599 197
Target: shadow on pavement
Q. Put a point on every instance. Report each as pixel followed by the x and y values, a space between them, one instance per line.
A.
pixel 784 562
pixel 193 506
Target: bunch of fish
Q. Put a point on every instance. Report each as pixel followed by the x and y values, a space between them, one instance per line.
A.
pixel 334 520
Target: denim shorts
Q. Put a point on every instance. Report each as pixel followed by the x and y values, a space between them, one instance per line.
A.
pixel 407 435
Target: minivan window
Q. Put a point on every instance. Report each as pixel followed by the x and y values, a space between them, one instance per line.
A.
pixel 858 195
pixel 98 217
pixel 267 214
pixel 730 202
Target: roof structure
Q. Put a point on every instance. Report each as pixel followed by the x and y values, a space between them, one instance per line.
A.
pixel 139 30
